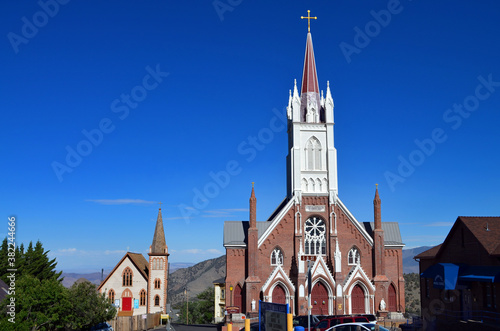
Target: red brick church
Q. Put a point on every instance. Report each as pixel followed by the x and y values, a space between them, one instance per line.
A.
pixel 356 266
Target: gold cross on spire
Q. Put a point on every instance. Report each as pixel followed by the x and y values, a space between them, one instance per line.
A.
pixel 160 204
pixel 309 20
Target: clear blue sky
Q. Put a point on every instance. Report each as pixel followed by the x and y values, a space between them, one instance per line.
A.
pixel 418 70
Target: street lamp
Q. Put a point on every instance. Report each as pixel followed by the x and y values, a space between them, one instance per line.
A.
pixel 231 290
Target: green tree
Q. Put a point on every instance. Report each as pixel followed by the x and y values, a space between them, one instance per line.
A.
pixel 4 251
pixel 34 261
pixel 39 305
pixel 88 307
pixel 201 310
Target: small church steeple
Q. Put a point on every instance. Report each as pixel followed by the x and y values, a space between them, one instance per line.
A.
pixel 158 269
pixel 159 246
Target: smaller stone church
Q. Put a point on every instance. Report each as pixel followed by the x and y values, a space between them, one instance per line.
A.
pixel 137 286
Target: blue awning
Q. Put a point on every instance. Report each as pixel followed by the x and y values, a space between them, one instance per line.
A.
pixel 445 275
pixel 489 274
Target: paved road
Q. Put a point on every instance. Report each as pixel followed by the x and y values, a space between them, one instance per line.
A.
pixel 184 327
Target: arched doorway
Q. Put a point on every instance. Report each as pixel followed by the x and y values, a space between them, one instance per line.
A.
pixel 319 299
pixel 279 295
pixel 392 298
pixel 358 300
pixel 127 300
pixel 238 298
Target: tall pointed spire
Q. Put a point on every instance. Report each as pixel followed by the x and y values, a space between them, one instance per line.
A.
pixel 159 245
pixel 377 210
pixel 253 209
pixel 309 75
pixel 310 99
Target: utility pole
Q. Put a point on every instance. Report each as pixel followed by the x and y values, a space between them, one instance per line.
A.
pixel 309 295
pixel 187 305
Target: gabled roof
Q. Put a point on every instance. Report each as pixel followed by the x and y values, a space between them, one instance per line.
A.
pixel 429 254
pixel 138 261
pixel 235 232
pixel 485 229
pixel 392 235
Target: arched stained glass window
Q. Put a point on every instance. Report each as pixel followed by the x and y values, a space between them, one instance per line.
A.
pixel 353 257
pixel 315 242
pixel 277 257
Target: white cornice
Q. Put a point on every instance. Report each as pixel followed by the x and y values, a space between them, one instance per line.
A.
pixel 275 221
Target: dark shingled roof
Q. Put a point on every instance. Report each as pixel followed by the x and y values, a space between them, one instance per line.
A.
pixel 158 246
pixel 137 259
pixel 429 254
pixel 485 229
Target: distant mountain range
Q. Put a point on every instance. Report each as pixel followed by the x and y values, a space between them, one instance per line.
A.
pixel 95 277
pixel 197 277
pixel 409 264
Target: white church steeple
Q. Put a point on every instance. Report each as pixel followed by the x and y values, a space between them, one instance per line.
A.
pixel 312 159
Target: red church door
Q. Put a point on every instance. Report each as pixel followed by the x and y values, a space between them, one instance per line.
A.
pixel 238 298
pixel 279 295
pixel 358 300
pixel 392 298
pixel 319 299
pixel 126 304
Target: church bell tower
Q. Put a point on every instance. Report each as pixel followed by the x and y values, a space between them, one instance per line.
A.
pixel 158 270
pixel 312 158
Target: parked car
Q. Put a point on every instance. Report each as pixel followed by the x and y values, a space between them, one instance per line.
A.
pixel 355 326
pixel 371 318
pixel 105 326
pixel 332 321
pixel 302 320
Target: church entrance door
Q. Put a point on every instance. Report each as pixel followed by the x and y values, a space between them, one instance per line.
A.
pixel 319 299
pixel 238 298
pixel 126 304
pixel 279 295
pixel 392 298
pixel 358 300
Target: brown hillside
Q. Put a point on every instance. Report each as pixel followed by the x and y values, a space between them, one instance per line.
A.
pixel 196 278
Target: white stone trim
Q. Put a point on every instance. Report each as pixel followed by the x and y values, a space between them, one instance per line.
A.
pixel 275 222
pixel 354 221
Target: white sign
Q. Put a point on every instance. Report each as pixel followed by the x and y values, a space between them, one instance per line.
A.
pixel 314 208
